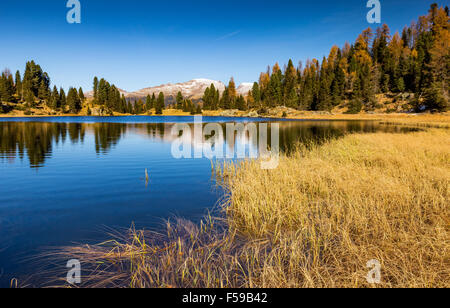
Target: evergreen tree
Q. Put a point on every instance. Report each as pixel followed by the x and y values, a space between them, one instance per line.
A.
pixel 54 99
pixel 241 104
pixel 81 95
pixel 148 103
pixel 154 101
pixel 139 107
pixel 274 94
pixel 435 99
pixel 256 93
pixel 18 84
pixel 95 89
pixel 62 99
pixel 36 80
pixel 289 85
pixel 29 98
pixel 103 90
pixel 179 101
pixel 73 101
pixel 225 101
pixel 199 110
pixel 160 104
pixel 216 101
pixel 7 87
pixel 207 99
pixel 123 105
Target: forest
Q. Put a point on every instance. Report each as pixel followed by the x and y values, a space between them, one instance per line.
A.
pixel 416 62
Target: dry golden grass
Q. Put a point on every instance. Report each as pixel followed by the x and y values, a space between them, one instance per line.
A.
pixel 426 120
pixel 315 221
pixel 330 210
pixel 441 120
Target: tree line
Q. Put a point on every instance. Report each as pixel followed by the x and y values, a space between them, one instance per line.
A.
pixel 34 89
pixel 109 96
pixel 212 100
pixel 415 61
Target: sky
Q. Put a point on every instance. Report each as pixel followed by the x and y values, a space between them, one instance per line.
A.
pixel 141 43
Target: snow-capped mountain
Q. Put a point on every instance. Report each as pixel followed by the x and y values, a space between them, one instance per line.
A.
pixel 244 88
pixel 193 89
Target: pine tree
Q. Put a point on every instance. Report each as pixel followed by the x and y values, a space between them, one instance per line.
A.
pixel 123 105
pixel 7 87
pixel 81 95
pixel 435 97
pixel 18 84
pixel 160 104
pixel 36 80
pixel 148 103
pixel 95 89
pixel 289 84
pixel 103 90
pixel 179 101
pixel 216 101
pixel 225 102
pixel 206 99
pixel 274 94
pixel 73 101
pixel 54 99
pixel 29 98
pixel 240 103
pixel 43 91
pixel 153 101
pixel 62 99
pixel 401 84
pixel 256 93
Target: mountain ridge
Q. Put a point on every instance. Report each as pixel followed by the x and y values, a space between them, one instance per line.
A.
pixel 192 89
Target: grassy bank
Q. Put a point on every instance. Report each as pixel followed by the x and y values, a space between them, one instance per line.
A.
pixel 315 221
pixel 424 119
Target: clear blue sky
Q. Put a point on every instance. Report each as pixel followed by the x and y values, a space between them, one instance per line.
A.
pixel 136 44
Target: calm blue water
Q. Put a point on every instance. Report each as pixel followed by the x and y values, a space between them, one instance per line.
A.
pixel 63 180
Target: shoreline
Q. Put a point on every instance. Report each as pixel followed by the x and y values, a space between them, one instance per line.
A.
pixel 306 115
pixel 441 120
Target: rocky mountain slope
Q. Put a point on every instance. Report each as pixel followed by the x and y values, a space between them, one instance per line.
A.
pixel 193 89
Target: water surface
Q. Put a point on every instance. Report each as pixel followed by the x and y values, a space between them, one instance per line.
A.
pixel 62 180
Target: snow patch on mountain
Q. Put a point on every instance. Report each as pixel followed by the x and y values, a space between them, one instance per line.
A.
pixel 193 89
pixel 244 88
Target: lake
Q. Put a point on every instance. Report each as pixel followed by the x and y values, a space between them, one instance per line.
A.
pixel 66 180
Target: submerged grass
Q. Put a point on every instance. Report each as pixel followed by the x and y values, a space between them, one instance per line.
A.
pixel 315 221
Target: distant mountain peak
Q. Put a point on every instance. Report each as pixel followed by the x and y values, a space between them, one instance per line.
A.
pixel 192 89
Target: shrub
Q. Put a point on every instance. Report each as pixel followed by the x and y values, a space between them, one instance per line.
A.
pixel 355 106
